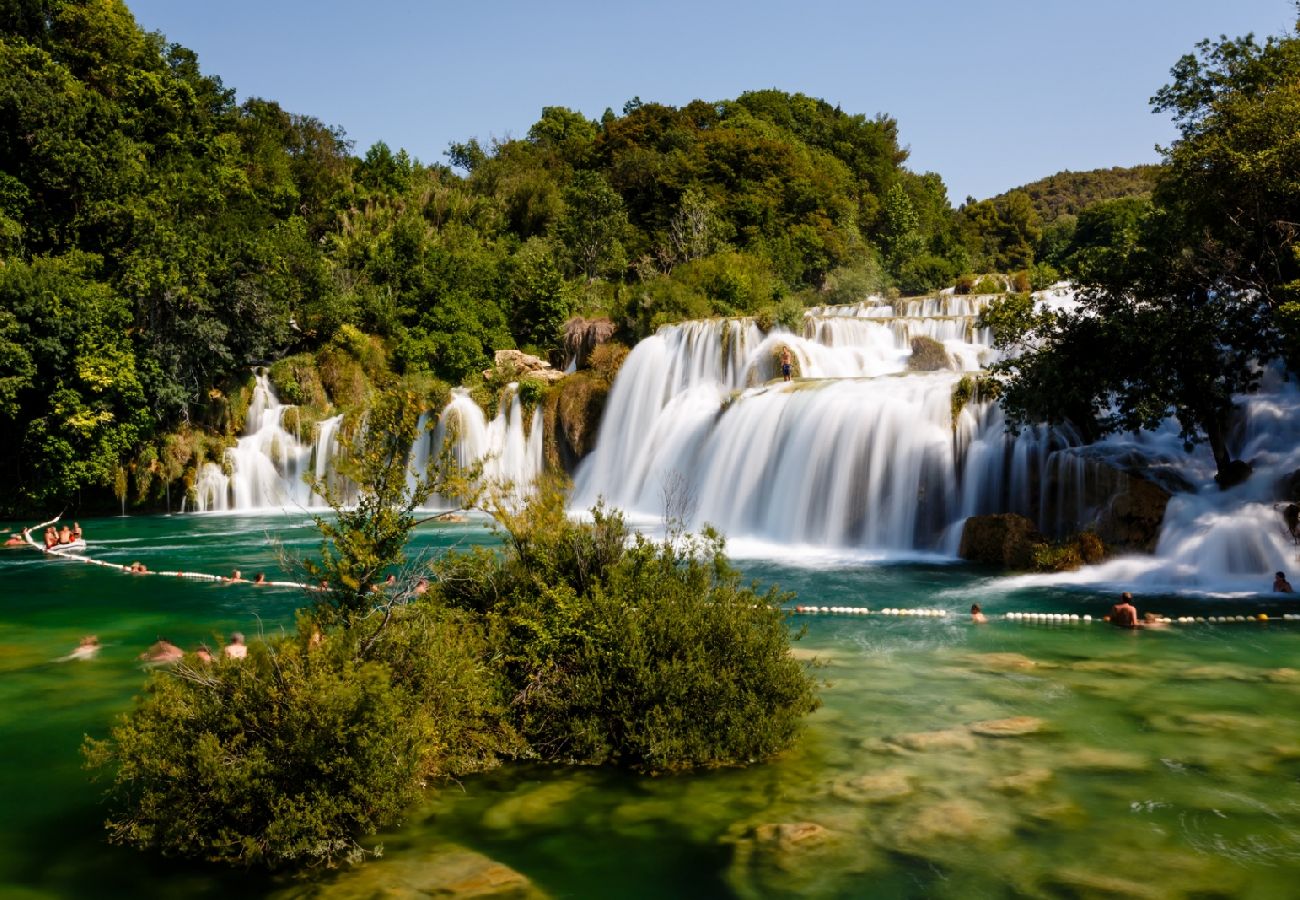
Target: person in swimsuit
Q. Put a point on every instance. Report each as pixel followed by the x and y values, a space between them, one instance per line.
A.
pixel 785 363
pixel 1124 614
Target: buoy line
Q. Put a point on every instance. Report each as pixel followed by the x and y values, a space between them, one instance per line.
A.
pixel 193 576
pixel 1035 617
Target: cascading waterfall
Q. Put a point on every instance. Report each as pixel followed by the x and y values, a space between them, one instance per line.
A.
pixel 860 454
pixel 266 467
pixel 510 454
pixel 856 453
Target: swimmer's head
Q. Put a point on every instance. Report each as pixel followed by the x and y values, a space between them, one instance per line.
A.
pixel 1126 596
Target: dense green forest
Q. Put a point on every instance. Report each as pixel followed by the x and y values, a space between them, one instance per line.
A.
pixel 157 238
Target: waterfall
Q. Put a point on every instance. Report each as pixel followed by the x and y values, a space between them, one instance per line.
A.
pixel 266 467
pixel 508 452
pixel 858 452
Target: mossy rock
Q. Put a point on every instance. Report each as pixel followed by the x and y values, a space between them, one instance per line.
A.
pixel 343 378
pixel 928 355
pixel 572 410
pixel 297 381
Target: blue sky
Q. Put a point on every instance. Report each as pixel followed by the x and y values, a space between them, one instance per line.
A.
pixel 988 94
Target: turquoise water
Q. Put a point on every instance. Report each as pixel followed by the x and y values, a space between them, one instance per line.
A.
pixel 949 760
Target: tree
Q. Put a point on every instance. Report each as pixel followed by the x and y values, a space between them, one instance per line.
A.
pixel 593 225
pixel 1184 299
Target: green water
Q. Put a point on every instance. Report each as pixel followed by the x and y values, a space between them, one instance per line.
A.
pixel 1155 764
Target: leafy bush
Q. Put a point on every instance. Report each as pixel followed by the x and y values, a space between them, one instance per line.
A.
pixel 651 656
pixel 990 284
pixel 285 757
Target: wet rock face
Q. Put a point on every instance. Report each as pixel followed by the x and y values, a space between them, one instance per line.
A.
pixel 572 417
pixel 1004 539
pixel 928 355
pixel 1132 518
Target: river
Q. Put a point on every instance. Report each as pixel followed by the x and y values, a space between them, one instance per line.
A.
pixel 1013 759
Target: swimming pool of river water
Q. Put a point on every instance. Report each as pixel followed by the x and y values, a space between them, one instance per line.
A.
pixel 1013 759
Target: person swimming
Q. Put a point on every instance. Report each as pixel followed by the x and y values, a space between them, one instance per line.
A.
pixel 236 649
pixel 1280 584
pixel 977 614
pixel 87 649
pixel 163 652
pixel 1124 614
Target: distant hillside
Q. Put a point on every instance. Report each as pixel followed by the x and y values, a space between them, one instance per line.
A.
pixel 1066 193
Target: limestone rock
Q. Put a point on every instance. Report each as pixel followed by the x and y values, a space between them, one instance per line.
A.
pixel 923 829
pixel 1030 781
pixel 793 859
pixel 1012 727
pixel 572 415
pixel 928 355
pixel 1096 759
pixel 1091 882
pixel 1002 662
pixel 1003 539
pixel 516 363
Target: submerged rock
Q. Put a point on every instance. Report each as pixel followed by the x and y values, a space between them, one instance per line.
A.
pixel 1002 662
pixel 926 741
pixel 447 871
pixel 936 829
pixel 1012 727
pixel 888 786
pixel 1081 882
pixel 1030 781
pixel 792 859
pixel 1096 759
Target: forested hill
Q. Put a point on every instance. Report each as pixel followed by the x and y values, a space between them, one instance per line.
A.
pixel 1070 193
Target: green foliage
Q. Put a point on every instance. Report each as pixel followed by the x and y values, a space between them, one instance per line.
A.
pixel 989 284
pixel 1069 193
pixel 621 650
pixel 365 538
pixel 1070 553
pixel 1183 292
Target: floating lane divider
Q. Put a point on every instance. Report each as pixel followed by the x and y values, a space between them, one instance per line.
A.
pixel 193 576
pixel 1035 617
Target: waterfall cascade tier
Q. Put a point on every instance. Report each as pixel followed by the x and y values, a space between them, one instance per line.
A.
pixel 267 467
pixel 862 454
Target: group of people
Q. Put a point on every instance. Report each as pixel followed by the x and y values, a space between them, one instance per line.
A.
pixel 63 536
pixel 164 651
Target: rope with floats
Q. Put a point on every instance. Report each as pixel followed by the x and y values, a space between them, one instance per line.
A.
pixel 1037 618
pixel 128 570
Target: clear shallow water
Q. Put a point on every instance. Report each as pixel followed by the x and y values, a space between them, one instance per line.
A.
pixel 1158 764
